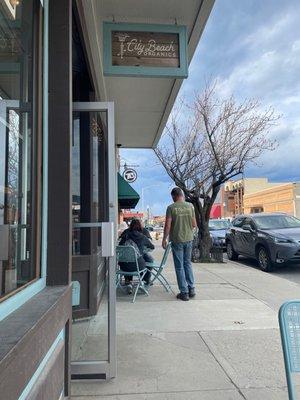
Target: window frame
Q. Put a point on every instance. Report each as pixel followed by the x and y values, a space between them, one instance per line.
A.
pixel 249 221
pixel 236 220
pixel 39 179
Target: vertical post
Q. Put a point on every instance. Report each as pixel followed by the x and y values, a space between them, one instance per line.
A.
pixel 112 179
pixel 59 155
pixel 143 219
pixel 59 256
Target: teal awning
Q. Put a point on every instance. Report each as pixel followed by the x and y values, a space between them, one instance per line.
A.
pixel 127 196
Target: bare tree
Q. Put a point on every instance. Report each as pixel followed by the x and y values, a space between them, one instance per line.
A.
pixel 209 142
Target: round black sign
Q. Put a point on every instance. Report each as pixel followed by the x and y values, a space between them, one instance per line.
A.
pixel 130 175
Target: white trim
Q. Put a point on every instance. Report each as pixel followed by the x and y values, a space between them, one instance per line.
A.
pixel 93 106
pixel 17 300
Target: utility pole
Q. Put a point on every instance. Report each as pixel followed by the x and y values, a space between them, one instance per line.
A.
pixel 142 191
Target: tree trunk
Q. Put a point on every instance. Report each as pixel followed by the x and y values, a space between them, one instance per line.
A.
pixel 204 243
pixel 204 239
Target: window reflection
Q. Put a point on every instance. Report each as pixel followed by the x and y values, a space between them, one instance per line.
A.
pixel 88 179
pixel 17 265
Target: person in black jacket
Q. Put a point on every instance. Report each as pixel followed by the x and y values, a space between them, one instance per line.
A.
pixel 147 257
pixel 136 234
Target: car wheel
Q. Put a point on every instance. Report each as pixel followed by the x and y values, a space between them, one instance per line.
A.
pixel 264 260
pixel 231 253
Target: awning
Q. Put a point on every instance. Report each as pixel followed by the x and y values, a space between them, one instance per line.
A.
pixel 127 196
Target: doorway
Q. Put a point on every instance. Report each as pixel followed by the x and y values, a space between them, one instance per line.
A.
pixel 94 208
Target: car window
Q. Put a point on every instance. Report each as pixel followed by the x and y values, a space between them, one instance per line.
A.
pixel 238 222
pixel 248 221
pixel 276 221
pixel 218 224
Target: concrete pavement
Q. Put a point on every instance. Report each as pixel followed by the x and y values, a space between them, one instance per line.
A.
pixel 222 345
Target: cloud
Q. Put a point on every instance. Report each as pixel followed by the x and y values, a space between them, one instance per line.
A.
pixel 265 64
pixel 271 32
pixel 273 77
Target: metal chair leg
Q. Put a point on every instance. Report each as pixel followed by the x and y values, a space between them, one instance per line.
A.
pixel 167 285
pixel 162 280
pixel 164 284
pixel 135 293
pixel 141 286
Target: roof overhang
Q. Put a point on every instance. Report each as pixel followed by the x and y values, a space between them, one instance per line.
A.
pixel 142 105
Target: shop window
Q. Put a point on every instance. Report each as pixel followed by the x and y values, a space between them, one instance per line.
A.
pixel 256 210
pixel 19 144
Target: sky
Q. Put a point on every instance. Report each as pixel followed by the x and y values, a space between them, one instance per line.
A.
pixel 252 48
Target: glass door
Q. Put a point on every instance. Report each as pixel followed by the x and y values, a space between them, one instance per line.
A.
pixel 94 210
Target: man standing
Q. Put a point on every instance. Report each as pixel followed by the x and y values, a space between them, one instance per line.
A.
pixel 180 221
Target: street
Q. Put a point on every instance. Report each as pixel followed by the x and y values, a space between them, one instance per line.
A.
pixel 222 345
pixel 290 272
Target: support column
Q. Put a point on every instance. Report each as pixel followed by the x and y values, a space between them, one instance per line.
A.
pixel 60 128
pixel 59 255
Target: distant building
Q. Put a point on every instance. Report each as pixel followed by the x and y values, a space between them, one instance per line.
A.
pixel 159 220
pixel 280 198
pixel 216 211
pixel 128 215
pixel 234 193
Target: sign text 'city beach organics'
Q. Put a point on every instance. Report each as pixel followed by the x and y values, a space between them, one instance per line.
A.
pixel 150 50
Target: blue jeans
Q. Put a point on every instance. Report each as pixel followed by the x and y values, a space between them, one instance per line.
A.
pixel 182 255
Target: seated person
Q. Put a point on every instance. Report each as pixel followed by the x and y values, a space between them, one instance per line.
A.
pixel 135 234
pixel 147 257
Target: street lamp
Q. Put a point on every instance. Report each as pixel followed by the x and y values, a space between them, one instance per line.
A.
pixel 143 189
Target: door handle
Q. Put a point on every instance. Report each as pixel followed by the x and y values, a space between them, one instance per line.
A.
pixel 107 239
pixel 107 235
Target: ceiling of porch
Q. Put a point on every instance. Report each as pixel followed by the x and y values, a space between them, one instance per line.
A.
pixel 142 105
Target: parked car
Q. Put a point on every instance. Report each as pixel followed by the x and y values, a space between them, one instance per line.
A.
pixel 272 239
pixel 217 230
pixel 150 228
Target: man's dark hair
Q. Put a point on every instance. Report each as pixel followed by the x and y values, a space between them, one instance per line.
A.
pixel 176 192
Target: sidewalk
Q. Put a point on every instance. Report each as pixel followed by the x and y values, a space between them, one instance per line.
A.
pixel 222 345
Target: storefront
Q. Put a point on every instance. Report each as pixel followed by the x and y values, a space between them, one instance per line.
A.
pixel 63 114
pixel 284 197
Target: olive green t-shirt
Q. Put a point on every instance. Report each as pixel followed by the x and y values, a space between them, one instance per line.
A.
pixel 182 214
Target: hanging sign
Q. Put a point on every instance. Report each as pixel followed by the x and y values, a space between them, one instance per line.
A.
pixel 145 50
pixel 130 175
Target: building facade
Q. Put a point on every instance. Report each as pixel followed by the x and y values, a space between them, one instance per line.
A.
pixel 281 198
pixel 65 110
pixel 234 193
